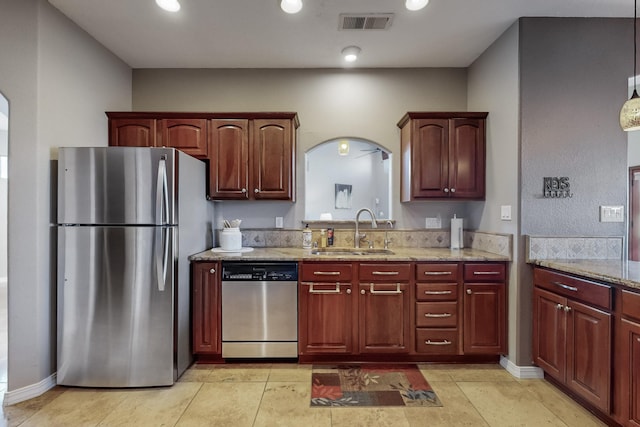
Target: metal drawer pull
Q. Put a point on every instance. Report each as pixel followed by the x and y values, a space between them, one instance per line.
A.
pixel 326 273
pixel 373 290
pixel 437 315
pixel 445 342
pixel 567 287
pixel 486 273
pixel 567 308
pixel 323 291
pixel 385 273
pixel 559 306
pixel 437 292
pixel 437 273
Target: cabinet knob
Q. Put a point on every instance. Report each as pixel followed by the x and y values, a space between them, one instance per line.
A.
pixel 453 190
pixel 244 190
pixel 348 291
pixel 446 190
pixel 255 190
pixel 567 308
pixel 362 291
pixel 559 306
pixel 469 292
pixel 212 271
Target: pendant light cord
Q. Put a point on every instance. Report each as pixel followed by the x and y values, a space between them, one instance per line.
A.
pixel 635 20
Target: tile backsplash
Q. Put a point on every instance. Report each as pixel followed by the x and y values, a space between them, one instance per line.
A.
pixel 491 242
pixel 538 247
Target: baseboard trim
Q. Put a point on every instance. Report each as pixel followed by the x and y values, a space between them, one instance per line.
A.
pixel 29 392
pixel 522 372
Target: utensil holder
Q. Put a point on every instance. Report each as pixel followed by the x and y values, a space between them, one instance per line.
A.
pixel 231 239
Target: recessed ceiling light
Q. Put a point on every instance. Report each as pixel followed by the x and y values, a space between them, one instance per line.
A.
pixel 350 53
pixel 169 5
pixel 291 6
pixel 416 4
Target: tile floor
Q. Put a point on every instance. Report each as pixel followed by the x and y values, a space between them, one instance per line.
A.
pixel 278 395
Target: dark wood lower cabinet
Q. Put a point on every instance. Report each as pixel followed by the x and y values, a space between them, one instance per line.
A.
pixel 484 318
pixel 325 319
pixel 385 323
pixel 206 308
pixel 572 341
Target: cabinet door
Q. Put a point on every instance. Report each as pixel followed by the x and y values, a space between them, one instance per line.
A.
pixel 132 132
pixel 589 353
pixel 385 323
pixel 467 158
pixel 630 372
pixel 272 171
pixel 228 159
pixel 325 318
pixel 484 327
pixel 549 333
pixel 206 308
pixel 188 135
pixel 430 158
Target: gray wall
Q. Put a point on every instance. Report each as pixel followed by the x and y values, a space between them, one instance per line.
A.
pixel 330 103
pixel 573 84
pixel 494 87
pixel 59 82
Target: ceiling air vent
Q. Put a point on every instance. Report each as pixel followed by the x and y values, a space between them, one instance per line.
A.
pixel 364 21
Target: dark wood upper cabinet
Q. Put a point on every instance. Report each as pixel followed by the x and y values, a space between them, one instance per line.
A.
pixel 188 135
pixel 443 156
pixel 132 132
pixel 273 159
pixel 251 156
pixel 228 159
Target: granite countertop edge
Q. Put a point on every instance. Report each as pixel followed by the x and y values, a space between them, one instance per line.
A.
pixel 615 271
pixel 399 254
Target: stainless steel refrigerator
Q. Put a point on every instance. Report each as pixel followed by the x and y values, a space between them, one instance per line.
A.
pixel 128 218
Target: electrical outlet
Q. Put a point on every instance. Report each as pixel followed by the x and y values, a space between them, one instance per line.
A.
pixel 432 223
pixel 611 213
pixel 279 222
pixel 505 212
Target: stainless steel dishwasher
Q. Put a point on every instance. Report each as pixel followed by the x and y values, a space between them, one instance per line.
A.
pixel 259 309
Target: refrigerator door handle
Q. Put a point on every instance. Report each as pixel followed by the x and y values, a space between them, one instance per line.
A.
pixel 165 261
pixel 161 249
pixel 162 193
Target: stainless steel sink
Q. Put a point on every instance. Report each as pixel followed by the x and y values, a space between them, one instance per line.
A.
pixel 350 251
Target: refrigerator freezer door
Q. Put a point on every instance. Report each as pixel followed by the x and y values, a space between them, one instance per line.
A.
pixel 116 185
pixel 115 306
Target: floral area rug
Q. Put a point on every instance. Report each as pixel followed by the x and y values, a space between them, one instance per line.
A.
pixel 370 385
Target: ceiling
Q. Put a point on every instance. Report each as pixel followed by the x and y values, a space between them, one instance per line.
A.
pixel 257 34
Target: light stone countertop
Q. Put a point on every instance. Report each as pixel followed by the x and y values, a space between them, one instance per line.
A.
pixel 399 254
pixel 626 273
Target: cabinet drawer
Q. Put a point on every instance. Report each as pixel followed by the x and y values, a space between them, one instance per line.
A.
pixel 387 272
pixel 437 272
pixel 437 341
pixel 573 287
pixel 631 305
pixel 436 291
pixel 322 272
pixel 484 272
pixel 437 314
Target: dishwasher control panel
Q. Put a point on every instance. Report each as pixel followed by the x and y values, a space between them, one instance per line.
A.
pixel 271 271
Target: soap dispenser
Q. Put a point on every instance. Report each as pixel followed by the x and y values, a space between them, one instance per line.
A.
pixel 306 237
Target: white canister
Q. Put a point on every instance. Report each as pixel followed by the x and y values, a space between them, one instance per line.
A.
pixel 231 239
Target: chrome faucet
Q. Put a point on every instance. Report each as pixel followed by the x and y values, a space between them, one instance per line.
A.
pixel 386 239
pixel 359 236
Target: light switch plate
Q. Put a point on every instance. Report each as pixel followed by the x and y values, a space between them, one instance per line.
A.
pixel 505 212
pixel 279 222
pixel 611 213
